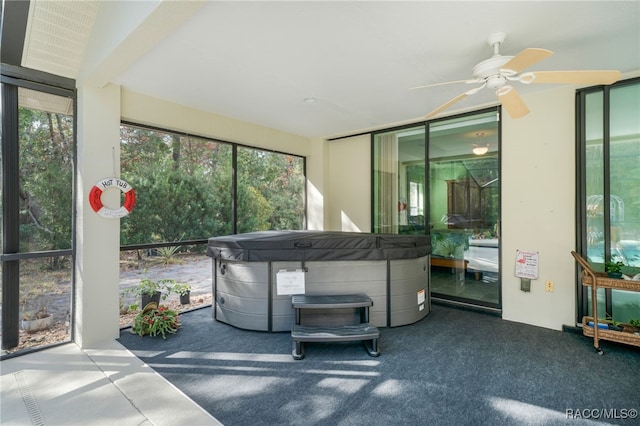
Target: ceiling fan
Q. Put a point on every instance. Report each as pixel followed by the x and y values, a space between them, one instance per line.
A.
pixel 497 71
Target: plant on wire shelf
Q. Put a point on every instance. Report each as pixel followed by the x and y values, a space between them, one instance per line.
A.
pixel 154 320
pixel 613 267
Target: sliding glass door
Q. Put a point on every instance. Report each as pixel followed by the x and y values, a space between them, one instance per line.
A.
pixel 464 214
pixel 443 179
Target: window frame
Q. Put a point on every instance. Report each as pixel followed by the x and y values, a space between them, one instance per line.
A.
pixel 12 79
pixel 582 292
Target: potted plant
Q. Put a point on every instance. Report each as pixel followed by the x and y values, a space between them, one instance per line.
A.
pixel 35 300
pixel 633 326
pixel 151 291
pixel 35 315
pixel 613 268
pixel 614 325
pixel 154 320
pixel 184 291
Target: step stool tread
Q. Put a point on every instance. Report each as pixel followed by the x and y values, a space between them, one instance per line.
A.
pixel 362 331
pixel 331 301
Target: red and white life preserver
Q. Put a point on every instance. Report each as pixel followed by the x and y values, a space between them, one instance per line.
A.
pixel 96 194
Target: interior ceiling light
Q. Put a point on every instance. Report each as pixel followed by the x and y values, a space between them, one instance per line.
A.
pixel 480 149
pixel 310 99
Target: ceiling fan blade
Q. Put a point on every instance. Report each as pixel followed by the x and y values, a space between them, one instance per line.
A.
pixel 512 102
pixel 525 59
pixel 572 77
pixel 446 105
pixel 442 84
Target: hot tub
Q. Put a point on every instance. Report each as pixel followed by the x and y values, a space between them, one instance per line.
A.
pixel 255 275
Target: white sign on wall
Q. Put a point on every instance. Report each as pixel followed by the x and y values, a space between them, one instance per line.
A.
pixel 527 264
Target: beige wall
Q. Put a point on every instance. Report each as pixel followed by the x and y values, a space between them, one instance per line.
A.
pixel 317 186
pixel 538 214
pixel 349 200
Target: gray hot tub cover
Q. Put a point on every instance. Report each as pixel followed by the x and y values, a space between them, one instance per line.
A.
pixel 266 246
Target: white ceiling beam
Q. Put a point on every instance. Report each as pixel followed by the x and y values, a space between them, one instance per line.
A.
pixel 121 36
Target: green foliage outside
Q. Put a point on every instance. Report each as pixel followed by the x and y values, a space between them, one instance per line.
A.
pixel 270 191
pixel 184 188
pixel 46 180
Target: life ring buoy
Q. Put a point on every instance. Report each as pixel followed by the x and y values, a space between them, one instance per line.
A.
pixel 96 194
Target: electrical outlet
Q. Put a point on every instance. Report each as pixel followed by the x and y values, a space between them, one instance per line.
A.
pixel 549 286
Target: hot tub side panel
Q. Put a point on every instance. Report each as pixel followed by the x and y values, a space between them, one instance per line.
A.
pixel 241 294
pixel 333 277
pixel 409 299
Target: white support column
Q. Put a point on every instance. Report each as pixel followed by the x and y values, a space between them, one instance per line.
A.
pixel 98 239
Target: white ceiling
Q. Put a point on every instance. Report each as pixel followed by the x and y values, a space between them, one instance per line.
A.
pixel 258 61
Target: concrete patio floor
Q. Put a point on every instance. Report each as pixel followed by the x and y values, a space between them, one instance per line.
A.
pixel 66 385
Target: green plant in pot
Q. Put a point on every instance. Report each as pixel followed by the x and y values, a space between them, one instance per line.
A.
pixel 613 268
pixel 184 291
pixel 612 324
pixel 151 291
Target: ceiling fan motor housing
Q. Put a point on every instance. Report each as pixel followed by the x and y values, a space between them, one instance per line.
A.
pixel 488 71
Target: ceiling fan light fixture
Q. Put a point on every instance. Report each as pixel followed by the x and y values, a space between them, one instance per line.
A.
pixel 480 150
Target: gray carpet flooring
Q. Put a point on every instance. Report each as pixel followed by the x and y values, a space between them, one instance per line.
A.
pixel 455 367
